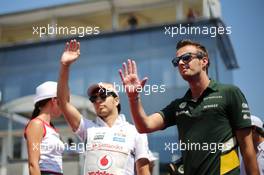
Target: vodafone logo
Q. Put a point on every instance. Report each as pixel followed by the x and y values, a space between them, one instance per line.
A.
pixel 104 162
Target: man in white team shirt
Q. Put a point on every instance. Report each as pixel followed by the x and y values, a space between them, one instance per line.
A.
pixel 258 141
pixel 113 146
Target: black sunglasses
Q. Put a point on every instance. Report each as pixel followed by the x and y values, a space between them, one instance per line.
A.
pixel 186 58
pixel 102 94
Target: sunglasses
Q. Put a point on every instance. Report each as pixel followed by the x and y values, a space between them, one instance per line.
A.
pixel 187 57
pixel 102 95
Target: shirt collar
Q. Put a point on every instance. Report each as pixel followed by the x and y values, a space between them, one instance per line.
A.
pixel 261 146
pixel 212 86
pixel 119 120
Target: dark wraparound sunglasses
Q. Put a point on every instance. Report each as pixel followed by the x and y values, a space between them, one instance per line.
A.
pixel 187 58
pixel 102 94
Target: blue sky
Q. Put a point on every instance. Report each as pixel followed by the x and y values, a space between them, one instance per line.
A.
pixel 246 20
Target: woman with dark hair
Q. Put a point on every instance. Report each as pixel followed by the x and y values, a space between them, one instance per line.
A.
pixel 43 142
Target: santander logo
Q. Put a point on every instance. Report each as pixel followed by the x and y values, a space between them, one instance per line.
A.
pixel 104 162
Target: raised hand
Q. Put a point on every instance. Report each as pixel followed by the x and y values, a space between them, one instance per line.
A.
pixel 71 52
pixel 133 85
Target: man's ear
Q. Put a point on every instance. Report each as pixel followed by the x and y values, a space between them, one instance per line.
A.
pixel 117 100
pixel 205 62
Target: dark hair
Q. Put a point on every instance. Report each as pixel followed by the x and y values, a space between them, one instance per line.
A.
pixel 37 107
pixel 186 42
pixel 119 108
pixel 119 105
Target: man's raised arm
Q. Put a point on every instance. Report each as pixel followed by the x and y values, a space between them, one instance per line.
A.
pixel 71 114
pixel 132 84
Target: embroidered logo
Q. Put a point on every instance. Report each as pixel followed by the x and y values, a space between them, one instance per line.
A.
pixel 104 162
pixel 182 112
pixel 210 106
pixel 245 116
pixel 99 137
pixel 119 139
pixel 244 105
pixel 182 105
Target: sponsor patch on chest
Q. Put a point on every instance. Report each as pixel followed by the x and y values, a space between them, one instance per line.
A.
pixel 210 106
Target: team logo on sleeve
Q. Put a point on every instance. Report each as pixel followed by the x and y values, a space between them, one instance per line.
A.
pixel 104 162
pixel 244 105
pixel 182 105
pixel 245 116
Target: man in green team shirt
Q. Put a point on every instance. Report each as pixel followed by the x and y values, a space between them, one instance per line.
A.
pixel 208 114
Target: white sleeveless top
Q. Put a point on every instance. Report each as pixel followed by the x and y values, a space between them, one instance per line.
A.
pixel 51 149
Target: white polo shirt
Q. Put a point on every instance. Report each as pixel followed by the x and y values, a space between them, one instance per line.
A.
pixel 260 161
pixel 260 158
pixel 112 150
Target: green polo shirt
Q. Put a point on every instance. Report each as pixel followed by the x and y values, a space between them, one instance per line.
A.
pixel 205 124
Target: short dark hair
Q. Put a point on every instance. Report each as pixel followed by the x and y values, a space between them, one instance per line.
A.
pixel 186 42
pixel 37 107
pixel 119 108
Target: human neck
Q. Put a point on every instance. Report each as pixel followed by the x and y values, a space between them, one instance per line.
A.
pixel 198 85
pixel 110 119
pixel 45 116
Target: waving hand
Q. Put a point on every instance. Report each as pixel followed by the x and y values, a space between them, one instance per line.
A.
pixel 71 52
pixel 130 78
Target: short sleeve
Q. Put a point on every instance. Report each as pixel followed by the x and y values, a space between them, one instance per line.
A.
pixel 260 160
pixel 141 147
pixel 82 129
pixel 238 109
pixel 168 115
